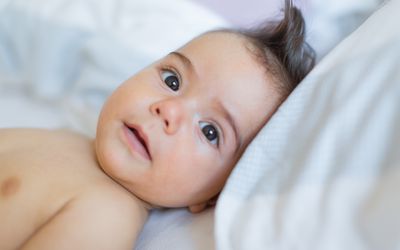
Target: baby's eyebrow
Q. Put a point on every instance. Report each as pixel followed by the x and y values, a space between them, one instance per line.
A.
pixel 186 61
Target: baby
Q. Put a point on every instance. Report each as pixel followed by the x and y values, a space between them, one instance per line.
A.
pixel 167 137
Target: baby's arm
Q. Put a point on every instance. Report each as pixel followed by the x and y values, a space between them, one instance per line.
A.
pixel 98 220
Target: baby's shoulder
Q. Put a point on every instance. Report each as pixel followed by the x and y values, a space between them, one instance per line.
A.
pixel 17 137
pixel 106 217
pixel 18 131
pixel 109 206
pixel 31 134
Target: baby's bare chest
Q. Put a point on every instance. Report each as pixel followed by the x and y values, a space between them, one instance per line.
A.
pixel 36 180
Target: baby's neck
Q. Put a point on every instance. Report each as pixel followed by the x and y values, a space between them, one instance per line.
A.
pixel 146 205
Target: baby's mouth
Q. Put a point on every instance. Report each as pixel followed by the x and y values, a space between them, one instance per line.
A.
pixel 137 140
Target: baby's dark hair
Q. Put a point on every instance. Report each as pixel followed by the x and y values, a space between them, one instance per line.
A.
pixel 281 48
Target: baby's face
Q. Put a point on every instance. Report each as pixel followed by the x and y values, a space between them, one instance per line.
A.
pixel 172 133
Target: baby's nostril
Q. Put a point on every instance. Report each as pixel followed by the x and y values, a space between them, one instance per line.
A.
pixel 158 111
pixel 166 123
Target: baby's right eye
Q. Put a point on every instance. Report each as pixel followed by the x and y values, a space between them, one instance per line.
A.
pixel 170 79
pixel 210 132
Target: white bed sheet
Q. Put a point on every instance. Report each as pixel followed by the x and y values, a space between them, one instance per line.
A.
pixel 178 229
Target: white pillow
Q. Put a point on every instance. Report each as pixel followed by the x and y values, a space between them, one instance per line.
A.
pixel 324 173
pixel 329 21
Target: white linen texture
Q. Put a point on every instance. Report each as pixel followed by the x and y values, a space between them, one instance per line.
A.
pixel 324 173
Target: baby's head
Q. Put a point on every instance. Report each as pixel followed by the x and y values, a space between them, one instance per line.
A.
pixel 172 133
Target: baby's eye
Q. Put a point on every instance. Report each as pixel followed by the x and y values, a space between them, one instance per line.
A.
pixel 210 132
pixel 170 79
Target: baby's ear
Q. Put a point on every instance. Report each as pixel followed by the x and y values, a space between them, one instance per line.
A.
pixel 201 206
pixel 197 208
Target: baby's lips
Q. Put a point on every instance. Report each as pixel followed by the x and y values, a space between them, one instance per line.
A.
pixel 138 132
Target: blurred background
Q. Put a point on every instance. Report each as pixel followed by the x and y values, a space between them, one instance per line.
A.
pixel 243 13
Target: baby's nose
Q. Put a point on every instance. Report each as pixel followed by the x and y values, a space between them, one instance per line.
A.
pixel 171 112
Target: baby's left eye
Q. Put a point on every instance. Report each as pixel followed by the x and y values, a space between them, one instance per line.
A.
pixel 170 79
pixel 210 132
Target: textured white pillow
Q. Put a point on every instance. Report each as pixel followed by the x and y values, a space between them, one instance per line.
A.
pixel 325 172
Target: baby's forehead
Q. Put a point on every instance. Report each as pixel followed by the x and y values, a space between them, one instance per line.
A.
pixel 218 54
